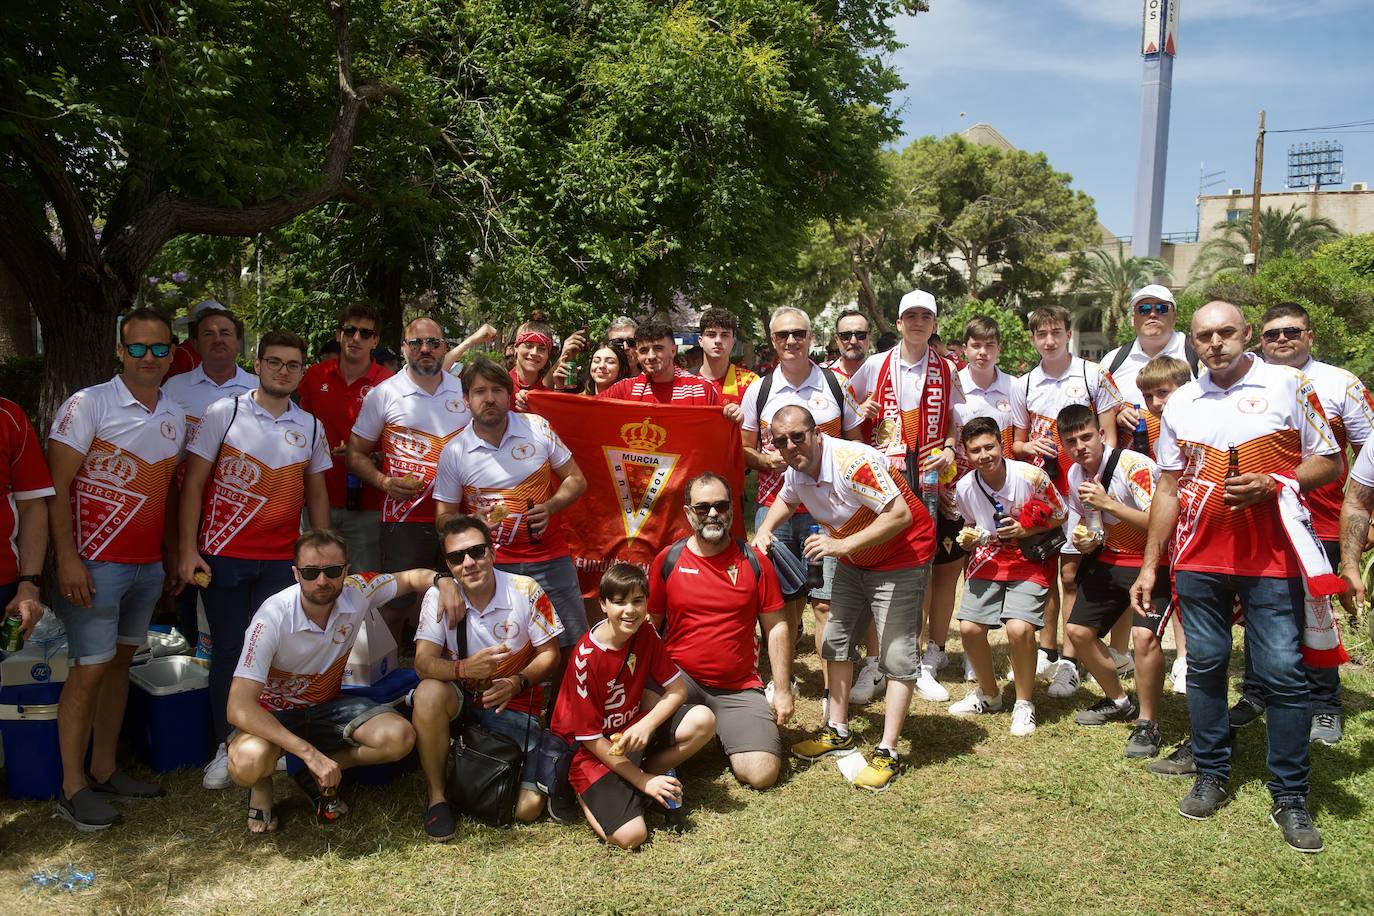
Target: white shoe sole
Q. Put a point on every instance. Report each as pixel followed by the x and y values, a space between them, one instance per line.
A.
pixel 83 828
pixel 935 693
pixel 217 782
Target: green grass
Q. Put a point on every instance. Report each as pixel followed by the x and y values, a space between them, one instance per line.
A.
pixel 979 821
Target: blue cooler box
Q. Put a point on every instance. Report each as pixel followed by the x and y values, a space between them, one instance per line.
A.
pixel 30 684
pixel 169 713
pixel 391 689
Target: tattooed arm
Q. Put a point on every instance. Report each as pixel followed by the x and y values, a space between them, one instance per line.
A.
pixel 1359 500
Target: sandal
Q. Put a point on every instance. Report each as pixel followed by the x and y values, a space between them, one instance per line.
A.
pixel 328 808
pixel 264 816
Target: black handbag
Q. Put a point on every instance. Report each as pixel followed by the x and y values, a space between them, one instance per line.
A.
pixel 1037 548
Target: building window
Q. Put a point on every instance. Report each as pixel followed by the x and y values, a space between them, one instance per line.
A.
pixel 1233 215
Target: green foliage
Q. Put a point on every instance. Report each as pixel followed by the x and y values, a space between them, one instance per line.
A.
pixel 1353 251
pixel 1282 234
pixel 1018 353
pixel 1104 282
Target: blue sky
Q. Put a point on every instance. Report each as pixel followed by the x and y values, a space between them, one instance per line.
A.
pixel 1063 77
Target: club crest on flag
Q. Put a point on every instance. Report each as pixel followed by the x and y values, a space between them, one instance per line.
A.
pixel 640 471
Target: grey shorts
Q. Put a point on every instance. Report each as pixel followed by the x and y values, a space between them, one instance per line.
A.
pixel 361 530
pixel 823 593
pixel 892 599
pixel 993 603
pixel 744 720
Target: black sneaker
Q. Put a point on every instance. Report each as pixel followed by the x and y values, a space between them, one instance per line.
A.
pixel 1202 801
pixel 563 807
pixel 1326 729
pixel 1179 762
pixel 440 825
pixel 1290 815
pixel 1244 712
pixel 87 811
pixel 1144 740
pixel 1105 710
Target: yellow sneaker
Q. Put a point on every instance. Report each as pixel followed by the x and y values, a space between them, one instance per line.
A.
pixel 829 742
pixel 881 770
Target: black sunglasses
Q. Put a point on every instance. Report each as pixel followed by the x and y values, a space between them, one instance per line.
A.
pixel 1270 336
pixel 1159 308
pixel 476 551
pixel 852 335
pixel 416 343
pixel 365 333
pixel 794 438
pixel 722 507
pixel 138 350
pixel 311 573
pixel 792 334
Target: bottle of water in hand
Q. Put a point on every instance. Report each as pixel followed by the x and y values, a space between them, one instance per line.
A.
pixel 930 492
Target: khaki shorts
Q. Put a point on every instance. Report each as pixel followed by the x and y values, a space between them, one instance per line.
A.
pixel 744 720
pixel 892 599
pixel 993 603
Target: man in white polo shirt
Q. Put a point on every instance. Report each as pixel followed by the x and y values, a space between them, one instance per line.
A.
pixel 1153 315
pixel 413 415
pixel 286 697
pixel 113 452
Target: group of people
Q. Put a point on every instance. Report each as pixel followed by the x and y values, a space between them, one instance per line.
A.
pixel 1184 481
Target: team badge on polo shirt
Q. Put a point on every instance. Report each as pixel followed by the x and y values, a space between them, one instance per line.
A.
pixel 733 572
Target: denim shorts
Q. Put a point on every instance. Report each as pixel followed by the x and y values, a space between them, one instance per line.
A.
pixel 328 726
pixel 126 595
pixel 518 726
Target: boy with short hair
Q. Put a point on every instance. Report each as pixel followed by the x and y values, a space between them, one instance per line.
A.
pixel 627 738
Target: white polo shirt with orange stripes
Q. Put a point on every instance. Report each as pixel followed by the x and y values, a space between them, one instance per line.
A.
pixel 1132 485
pixel 119 495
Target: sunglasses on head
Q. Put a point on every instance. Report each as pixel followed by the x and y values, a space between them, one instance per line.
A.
pixel 852 335
pixel 1272 335
pixel 138 350
pixel 794 438
pixel 1158 308
pixel 311 573
pixel 721 507
pixel 791 334
pixel 476 551
pixel 417 343
pixel 365 333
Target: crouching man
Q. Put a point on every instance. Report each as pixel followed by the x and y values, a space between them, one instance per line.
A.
pixel 489 670
pixel 285 696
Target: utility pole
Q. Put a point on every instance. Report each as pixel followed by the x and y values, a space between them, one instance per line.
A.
pixel 1252 260
pixel 1158 46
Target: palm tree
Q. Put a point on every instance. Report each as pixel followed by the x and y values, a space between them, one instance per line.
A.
pixel 1111 279
pixel 1281 234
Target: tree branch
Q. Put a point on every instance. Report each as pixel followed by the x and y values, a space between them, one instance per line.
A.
pixel 78 232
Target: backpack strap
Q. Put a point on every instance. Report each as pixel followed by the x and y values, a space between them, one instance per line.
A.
pixel 1110 469
pixel 228 426
pixel 671 557
pixel 766 386
pixel 1123 353
pixel 752 557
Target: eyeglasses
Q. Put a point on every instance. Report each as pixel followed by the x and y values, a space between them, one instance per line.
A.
pixel 852 335
pixel 1158 308
pixel 476 551
pixel 311 573
pixel 792 334
pixel 419 343
pixel 620 343
pixel 721 507
pixel 277 365
pixel 137 351
pixel 365 333
pixel 794 438
pixel 1270 336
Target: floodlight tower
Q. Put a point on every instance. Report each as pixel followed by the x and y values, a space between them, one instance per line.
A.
pixel 1158 45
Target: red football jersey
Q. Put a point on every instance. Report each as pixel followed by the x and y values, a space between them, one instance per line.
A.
pixel 23 475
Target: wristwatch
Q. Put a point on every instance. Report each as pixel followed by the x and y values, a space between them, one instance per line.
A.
pixel 524 682
pixel 35 578
pixel 441 575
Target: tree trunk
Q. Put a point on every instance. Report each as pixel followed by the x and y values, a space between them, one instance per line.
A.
pixel 78 341
pixel 16 318
pixel 384 288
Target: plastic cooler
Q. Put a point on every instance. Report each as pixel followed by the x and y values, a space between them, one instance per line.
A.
pixel 169 713
pixel 30 684
pixel 391 691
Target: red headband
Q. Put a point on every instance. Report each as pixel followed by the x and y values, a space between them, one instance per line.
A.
pixel 534 337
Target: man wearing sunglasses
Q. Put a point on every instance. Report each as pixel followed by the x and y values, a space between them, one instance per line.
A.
pixel 708 598
pixel 285 696
pixel 852 338
pixel 113 453
pixel 1286 339
pixel 333 390
pixel 411 417
pixel 490 671
pixel 621 333
pixel 1153 315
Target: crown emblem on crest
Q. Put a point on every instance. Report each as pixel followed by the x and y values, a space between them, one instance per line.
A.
pixel 408 445
pixel 239 473
pixel 646 435
pixel 112 468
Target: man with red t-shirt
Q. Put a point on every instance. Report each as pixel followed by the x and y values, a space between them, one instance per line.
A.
pixel 878 529
pixel 113 453
pixel 708 599
pixel 1234 448
pixel 662 381
pixel 333 390
pixel 25 486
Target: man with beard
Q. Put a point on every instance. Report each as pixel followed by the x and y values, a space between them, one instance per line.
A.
pixel 412 415
pixel 512 470
pixel 285 696
pixel 263 459
pixel 851 335
pixel 707 597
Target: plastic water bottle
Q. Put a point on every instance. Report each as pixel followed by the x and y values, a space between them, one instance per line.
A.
pixel 353 492
pixel 1140 439
pixel 930 492
pixel 999 515
pixel 672 817
pixel 815 567
pixel 1093 521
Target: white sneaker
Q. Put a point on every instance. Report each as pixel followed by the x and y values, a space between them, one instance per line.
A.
pixel 768 691
pixel 1125 662
pixel 935 659
pixel 1178 675
pixel 217 770
pixel 929 688
pixel 866 684
pixel 975 703
pixel 1064 680
pixel 1023 718
pixel 1042 663
pixel 968 671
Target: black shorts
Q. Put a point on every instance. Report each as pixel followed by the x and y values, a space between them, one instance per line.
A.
pixel 947 549
pixel 612 800
pixel 329 726
pixel 1104 594
pixel 1333 554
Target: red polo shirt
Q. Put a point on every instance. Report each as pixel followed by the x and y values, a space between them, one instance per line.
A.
pixel 335 404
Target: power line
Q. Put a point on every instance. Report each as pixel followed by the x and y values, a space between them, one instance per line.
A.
pixel 1328 127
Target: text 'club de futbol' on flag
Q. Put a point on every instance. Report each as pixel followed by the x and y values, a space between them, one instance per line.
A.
pixel 637 458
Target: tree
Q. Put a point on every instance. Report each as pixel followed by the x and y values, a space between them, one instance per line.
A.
pixel 1018 354
pixel 1109 280
pixel 1281 234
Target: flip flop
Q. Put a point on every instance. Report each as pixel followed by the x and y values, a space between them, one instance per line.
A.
pixel 264 816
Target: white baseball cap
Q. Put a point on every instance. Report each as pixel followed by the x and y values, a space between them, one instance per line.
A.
pixel 920 299
pixel 1153 291
pixel 203 306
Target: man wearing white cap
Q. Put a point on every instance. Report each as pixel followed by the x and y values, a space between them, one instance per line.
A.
pixel 1153 315
pixel 185 355
pixel 910 393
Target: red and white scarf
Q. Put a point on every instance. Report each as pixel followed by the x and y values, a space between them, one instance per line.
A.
pixel 1321 635
pixel 934 408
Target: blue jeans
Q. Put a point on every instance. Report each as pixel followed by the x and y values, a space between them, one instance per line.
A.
pixel 558 579
pixel 125 596
pixel 237 589
pixel 1273 625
